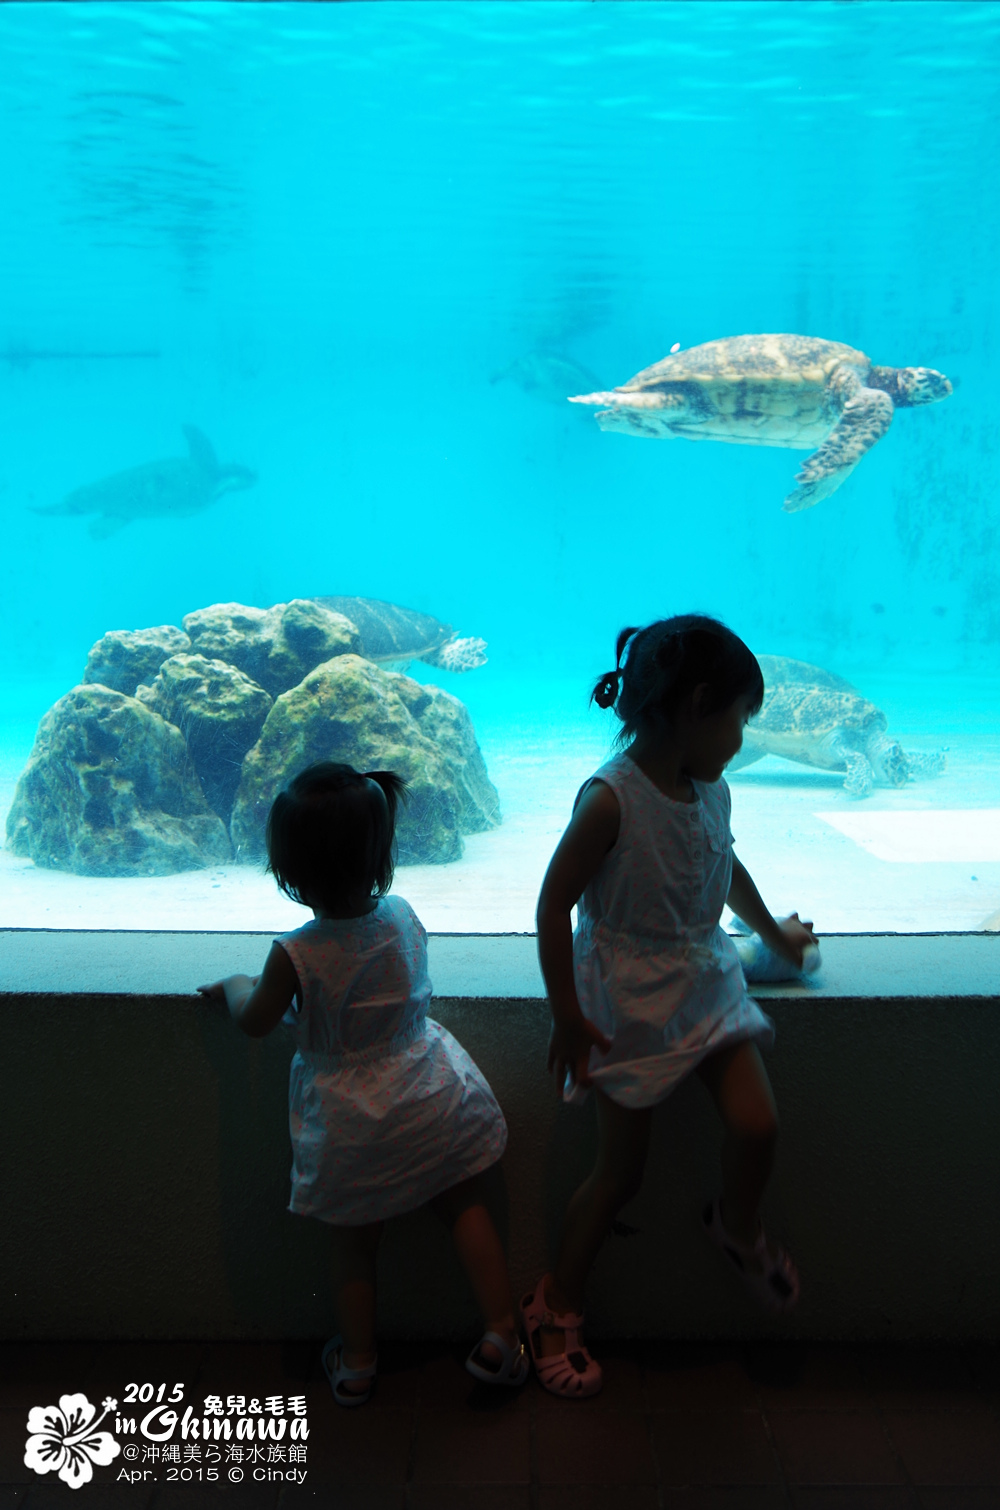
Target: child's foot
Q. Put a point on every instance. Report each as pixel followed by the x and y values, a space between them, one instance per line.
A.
pixel 767 1271
pixel 563 1365
pixel 350 1385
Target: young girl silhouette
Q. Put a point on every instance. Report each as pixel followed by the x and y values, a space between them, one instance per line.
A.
pixel 650 988
pixel 387 1111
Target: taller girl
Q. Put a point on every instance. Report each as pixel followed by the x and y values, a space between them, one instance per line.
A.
pixel 650 988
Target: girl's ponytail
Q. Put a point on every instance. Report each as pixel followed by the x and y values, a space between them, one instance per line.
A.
pixel 393 790
pixel 605 693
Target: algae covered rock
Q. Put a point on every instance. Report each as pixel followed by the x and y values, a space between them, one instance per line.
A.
pixel 110 790
pixel 123 658
pixel 349 710
pixel 275 647
pixel 445 721
pixel 220 713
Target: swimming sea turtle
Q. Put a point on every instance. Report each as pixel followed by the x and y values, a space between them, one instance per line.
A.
pixel 396 636
pixel 175 487
pixel 812 716
pixel 794 391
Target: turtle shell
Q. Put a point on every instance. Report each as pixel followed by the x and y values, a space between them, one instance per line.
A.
pixel 779 669
pixel 388 632
pixel 806 700
pixel 795 361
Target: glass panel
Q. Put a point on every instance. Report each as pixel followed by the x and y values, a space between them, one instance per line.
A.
pixel 293 299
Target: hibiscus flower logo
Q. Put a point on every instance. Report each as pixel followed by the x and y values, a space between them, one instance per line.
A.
pixel 65 1438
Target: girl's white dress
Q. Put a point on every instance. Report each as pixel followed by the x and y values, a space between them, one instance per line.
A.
pixel 654 971
pixel 386 1109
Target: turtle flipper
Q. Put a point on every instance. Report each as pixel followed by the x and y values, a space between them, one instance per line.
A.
pixel 457 654
pixel 860 778
pixel 864 419
pixel 923 763
pixel 201 450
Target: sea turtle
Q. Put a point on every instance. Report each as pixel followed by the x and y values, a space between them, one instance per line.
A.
pixel 395 636
pixel 794 391
pixel 175 487
pixel 815 717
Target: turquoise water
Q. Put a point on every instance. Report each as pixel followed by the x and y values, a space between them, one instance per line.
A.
pixel 364 248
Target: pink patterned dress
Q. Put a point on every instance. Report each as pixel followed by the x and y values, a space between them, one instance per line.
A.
pixel 653 969
pixel 386 1109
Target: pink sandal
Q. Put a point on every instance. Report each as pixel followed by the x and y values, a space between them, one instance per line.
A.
pixel 772 1277
pixel 572 1374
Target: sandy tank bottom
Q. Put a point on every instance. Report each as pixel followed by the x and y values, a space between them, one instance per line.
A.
pixel 923 859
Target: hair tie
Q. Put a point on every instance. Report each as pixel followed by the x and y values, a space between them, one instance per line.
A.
pixel 606 691
pixel 605 694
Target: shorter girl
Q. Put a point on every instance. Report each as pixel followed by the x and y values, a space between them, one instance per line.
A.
pixel 650 987
pixel 387 1111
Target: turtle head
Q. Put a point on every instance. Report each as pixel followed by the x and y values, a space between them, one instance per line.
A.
pixel 232 478
pixel 917 385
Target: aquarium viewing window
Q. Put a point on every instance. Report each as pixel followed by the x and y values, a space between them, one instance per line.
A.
pixel 295 298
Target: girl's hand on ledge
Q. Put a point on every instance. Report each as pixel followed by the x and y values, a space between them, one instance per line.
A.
pixel 233 991
pixel 796 935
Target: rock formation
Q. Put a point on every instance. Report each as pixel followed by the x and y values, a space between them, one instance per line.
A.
pixel 276 647
pixel 175 737
pixel 219 711
pixel 110 790
pixel 349 710
pixel 123 658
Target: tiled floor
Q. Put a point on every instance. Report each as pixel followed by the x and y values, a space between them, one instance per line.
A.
pixel 700 1427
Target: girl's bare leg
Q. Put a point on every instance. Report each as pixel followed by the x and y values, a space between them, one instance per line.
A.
pixel 623 1134
pixel 738 1083
pixel 354 1250
pixel 463 1210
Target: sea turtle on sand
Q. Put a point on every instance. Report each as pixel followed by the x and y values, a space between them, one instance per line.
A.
pixel 395 636
pixel 794 391
pixel 174 487
pixel 812 716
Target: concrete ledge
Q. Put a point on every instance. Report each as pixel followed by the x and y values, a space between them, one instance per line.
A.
pixel 883 967
pixel 146 1156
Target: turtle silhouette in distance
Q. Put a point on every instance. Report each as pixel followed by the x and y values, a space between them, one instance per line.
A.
pixel 175 487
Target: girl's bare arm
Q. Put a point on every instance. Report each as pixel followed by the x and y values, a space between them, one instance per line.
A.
pixel 258 1005
pixel 592 831
pixel 788 938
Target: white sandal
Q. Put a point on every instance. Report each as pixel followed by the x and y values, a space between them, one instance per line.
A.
pixel 772 1277
pixel 572 1374
pixel 338 1374
pixel 513 1368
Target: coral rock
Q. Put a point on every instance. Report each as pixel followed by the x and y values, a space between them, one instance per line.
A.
pixel 123 658
pixel 445 721
pixel 349 710
pixel 220 713
pixel 275 647
pixel 110 790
